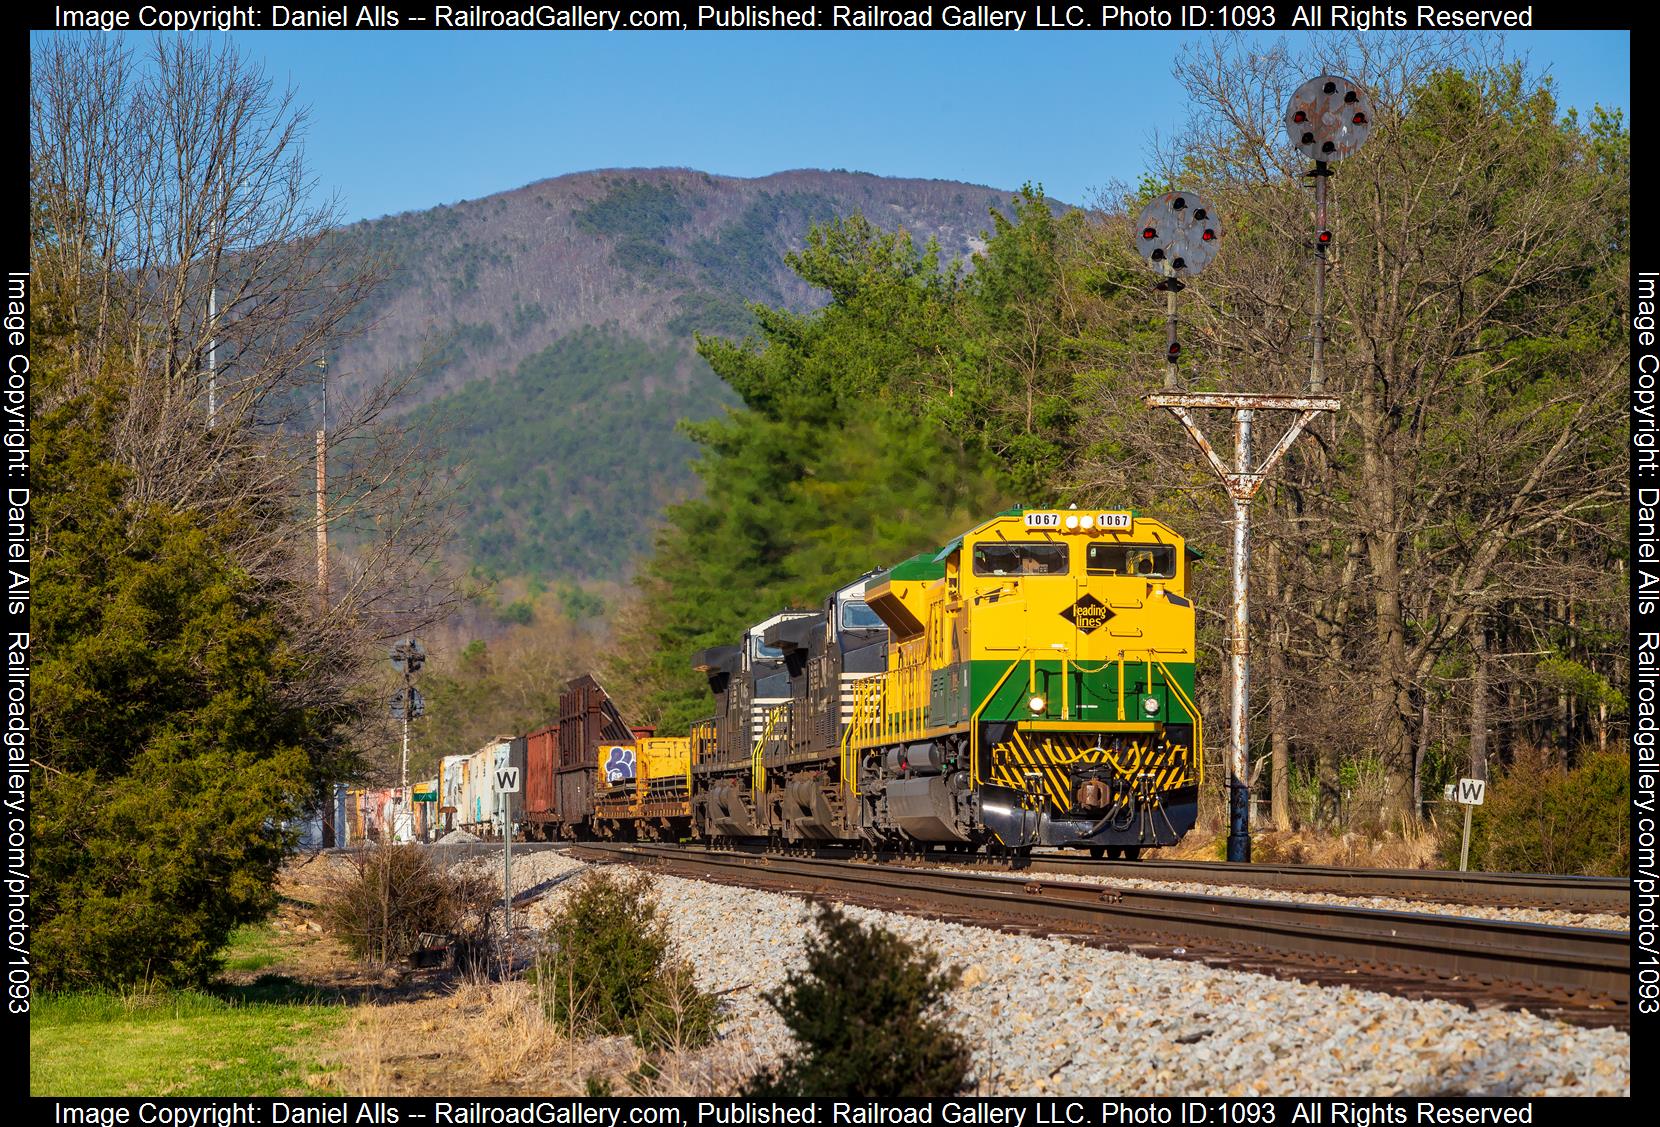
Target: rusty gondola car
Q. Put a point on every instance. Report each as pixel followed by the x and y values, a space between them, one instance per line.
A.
pixel 561 784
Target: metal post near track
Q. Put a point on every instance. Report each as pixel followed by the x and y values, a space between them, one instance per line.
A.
pixel 1242 482
pixel 506 887
pixel 407 704
pixel 507 785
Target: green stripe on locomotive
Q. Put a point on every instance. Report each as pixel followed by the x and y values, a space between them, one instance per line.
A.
pixel 1090 695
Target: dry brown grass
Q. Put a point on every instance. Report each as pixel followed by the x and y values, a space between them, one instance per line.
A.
pixel 494 1039
pixel 442 1033
pixel 1413 848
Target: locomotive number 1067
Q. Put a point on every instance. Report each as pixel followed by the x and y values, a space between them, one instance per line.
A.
pixel 1076 520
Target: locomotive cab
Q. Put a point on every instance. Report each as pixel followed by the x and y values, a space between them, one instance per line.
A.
pixel 767 677
pixel 718 664
pixel 826 653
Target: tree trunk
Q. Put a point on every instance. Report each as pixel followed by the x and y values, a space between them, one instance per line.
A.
pixel 1391 695
pixel 1478 698
pixel 1419 752
pixel 1391 701
pixel 1280 744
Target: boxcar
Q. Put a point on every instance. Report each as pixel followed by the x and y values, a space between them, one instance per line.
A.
pixel 541 810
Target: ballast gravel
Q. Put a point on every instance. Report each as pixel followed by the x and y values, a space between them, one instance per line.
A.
pixel 1601 921
pixel 1046 1017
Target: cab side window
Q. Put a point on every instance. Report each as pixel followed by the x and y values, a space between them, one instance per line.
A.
pixel 1151 561
pixel 1005 558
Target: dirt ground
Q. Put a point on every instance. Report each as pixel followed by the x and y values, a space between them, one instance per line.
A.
pixel 435 1032
pixel 447 1032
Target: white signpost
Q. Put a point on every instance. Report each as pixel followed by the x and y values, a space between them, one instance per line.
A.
pixel 1469 793
pixel 507 783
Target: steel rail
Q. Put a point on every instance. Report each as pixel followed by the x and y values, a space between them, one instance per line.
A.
pixel 1577 961
pixel 1611 895
pixel 1540 890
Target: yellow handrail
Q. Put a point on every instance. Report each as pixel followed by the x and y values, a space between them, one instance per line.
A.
pixel 1193 711
pixel 974 721
pixel 757 765
pixel 864 692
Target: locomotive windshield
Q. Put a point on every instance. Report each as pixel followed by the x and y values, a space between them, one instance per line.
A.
pixel 1155 561
pixel 1005 558
pixel 856 615
pixel 772 653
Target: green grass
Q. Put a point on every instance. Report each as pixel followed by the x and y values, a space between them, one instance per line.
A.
pixel 236 1041
pixel 253 947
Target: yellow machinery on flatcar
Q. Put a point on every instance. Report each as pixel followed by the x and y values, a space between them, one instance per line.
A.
pixel 645 788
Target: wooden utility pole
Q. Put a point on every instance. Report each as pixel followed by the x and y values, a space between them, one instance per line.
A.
pixel 322 493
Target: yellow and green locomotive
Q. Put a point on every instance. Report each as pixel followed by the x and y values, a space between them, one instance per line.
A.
pixel 1031 683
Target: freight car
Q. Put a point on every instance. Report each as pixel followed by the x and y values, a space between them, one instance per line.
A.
pixel 644 788
pixel 471 801
pixel 423 797
pixel 560 775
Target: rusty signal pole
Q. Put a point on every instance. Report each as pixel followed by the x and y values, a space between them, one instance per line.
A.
pixel 1328 119
pixel 1242 482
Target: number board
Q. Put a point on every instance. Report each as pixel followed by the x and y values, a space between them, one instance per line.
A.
pixel 1118 521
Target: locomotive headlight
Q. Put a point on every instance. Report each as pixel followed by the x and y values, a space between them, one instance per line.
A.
pixel 1035 704
pixel 1151 704
pixel 1072 522
pixel 1086 521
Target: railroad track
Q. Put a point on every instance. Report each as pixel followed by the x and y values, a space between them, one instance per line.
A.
pixel 1609 895
pixel 1576 974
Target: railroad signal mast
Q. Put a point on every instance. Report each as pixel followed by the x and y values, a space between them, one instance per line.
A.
pixel 407 704
pixel 1329 118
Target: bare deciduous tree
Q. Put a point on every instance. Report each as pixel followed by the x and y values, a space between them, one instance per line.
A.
pixel 1477 274
pixel 182 248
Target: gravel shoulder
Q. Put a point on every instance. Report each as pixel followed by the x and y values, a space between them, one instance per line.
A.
pixel 1044 1016
pixel 1601 921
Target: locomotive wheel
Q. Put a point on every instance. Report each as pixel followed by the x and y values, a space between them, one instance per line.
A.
pixel 1132 853
pixel 1097 851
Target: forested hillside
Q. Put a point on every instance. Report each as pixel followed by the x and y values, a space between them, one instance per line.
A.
pixel 552 328
pixel 570 457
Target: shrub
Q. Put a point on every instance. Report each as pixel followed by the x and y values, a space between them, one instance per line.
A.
pixel 393 893
pixel 1542 818
pixel 607 969
pixel 864 1015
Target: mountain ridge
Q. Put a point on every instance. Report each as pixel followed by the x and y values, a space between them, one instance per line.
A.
pixel 510 290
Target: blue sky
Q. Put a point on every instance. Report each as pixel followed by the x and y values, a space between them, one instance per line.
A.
pixel 404 120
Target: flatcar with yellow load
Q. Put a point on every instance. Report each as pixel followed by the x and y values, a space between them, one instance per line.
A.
pixel 644 788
